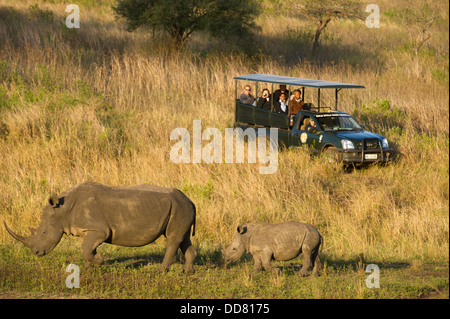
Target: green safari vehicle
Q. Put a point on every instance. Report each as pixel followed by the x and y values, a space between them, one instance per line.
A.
pixel 336 133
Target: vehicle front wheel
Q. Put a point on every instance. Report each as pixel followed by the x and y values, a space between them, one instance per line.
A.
pixel 331 154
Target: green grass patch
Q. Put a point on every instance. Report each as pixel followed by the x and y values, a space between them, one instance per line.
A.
pixel 133 273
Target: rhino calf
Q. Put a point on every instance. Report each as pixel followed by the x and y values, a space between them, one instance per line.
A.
pixel 125 216
pixel 283 241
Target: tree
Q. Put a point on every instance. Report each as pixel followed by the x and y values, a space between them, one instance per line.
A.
pixel 323 11
pixel 418 22
pixel 181 18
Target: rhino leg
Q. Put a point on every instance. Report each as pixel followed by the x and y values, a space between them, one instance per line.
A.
pixel 91 241
pixel 266 256
pixel 310 258
pixel 178 236
pixel 170 255
pixel 189 253
pixel 317 263
pixel 306 264
pixel 257 260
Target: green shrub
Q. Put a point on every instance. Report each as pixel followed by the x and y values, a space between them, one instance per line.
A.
pixel 380 116
pixel 41 15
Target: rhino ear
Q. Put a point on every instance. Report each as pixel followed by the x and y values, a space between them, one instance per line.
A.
pixel 242 229
pixel 53 200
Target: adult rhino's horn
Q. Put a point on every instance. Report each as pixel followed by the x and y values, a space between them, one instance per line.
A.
pixel 23 240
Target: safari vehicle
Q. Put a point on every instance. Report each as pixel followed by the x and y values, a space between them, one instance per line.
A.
pixel 337 134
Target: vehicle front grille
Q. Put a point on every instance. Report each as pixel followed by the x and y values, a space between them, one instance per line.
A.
pixel 371 144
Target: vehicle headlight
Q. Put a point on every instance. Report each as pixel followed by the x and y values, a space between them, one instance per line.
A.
pixel 346 144
pixel 384 143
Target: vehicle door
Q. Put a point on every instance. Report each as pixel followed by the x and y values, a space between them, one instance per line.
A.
pixel 296 132
pixel 311 140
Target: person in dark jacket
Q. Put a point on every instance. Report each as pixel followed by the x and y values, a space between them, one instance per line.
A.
pixel 282 89
pixel 311 126
pixel 264 100
pixel 246 97
pixel 281 106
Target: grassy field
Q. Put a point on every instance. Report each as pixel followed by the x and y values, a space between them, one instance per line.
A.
pixel 133 273
pixel 99 103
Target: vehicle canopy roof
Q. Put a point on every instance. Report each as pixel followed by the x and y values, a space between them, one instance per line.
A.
pixel 297 81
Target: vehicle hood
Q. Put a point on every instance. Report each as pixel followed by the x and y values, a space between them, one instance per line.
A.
pixel 357 135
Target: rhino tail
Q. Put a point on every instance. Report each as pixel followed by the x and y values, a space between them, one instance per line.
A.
pixel 194 210
pixel 321 243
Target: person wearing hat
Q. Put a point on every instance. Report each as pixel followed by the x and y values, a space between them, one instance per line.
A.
pixel 311 126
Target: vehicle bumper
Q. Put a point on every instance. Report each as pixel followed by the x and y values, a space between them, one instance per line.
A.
pixel 366 156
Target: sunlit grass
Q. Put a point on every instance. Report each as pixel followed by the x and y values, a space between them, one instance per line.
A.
pixel 99 103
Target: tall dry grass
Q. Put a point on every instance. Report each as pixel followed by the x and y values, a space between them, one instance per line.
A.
pixel 99 104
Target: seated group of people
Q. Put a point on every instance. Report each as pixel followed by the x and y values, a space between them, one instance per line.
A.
pixel 279 97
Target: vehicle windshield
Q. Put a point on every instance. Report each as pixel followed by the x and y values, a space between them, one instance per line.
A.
pixel 340 122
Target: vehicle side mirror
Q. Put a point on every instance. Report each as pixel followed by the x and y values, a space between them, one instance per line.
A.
pixel 363 126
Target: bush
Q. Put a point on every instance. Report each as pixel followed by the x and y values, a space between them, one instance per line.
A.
pixel 41 15
pixel 380 116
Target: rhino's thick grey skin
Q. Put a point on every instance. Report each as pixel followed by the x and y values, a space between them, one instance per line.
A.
pixel 283 241
pixel 125 216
